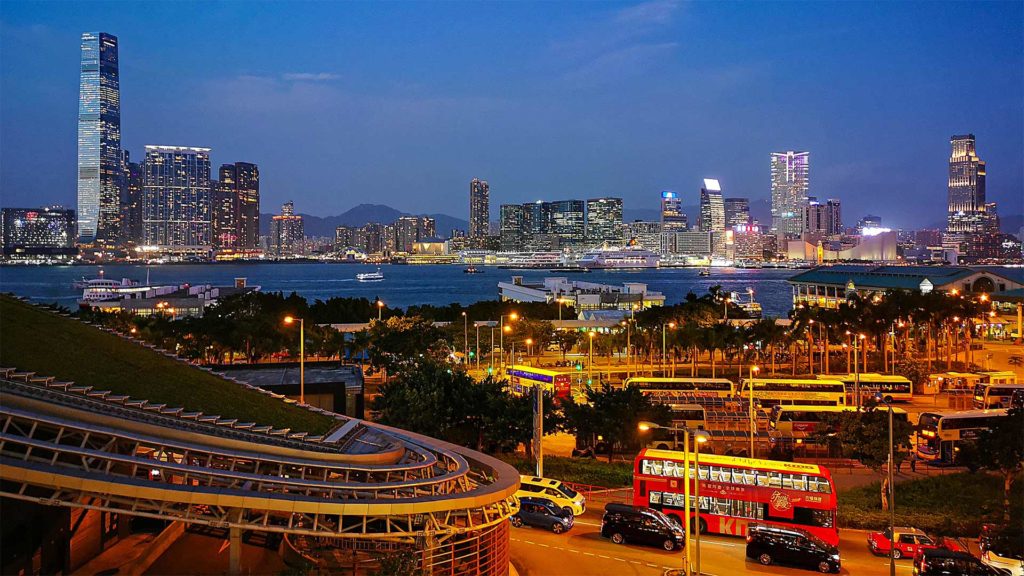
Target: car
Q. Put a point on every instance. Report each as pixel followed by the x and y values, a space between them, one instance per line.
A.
pixel 1004 551
pixel 943 562
pixel 543 514
pixel 554 490
pixel 908 542
pixel 769 545
pixel 623 523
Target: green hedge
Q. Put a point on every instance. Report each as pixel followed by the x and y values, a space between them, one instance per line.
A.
pixel 948 505
pixel 578 470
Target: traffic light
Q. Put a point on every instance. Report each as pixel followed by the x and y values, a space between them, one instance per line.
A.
pixel 490 369
pixel 579 367
pixel 589 381
pixel 472 354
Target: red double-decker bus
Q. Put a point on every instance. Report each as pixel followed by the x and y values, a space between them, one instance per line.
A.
pixel 735 492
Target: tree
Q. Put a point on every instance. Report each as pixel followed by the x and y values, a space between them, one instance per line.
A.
pixel 613 414
pixel 402 341
pixel 398 563
pixel 1003 451
pixel 567 340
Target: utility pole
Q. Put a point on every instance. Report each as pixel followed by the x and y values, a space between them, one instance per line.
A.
pixel 538 428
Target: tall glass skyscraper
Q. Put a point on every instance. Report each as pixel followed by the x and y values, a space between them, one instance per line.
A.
pixel 967 211
pixel 790 185
pixel 567 222
pixel 712 207
pixel 176 208
pixel 604 221
pixel 99 141
pixel 236 206
pixel 479 208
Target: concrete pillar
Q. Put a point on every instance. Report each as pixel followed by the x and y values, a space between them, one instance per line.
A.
pixel 234 551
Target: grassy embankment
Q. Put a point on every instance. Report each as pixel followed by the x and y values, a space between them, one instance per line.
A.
pixel 39 341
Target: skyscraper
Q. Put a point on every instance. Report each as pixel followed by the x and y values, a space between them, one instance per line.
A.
pixel 712 207
pixel 567 222
pixel 604 221
pixel 224 210
pixel 131 200
pixel 479 208
pixel 512 225
pixel 287 232
pixel 99 141
pixel 237 206
pixel 672 217
pixel 38 232
pixel 822 218
pixel 737 212
pixel 176 207
pixel 966 198
pixel 790 186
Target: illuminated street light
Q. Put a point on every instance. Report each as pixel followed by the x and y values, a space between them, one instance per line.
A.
pixel 302 355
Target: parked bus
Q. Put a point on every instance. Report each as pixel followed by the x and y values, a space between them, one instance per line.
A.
pixel 683 415
pixel 521 378
pixel 789 419
pixel 893 388
pixel 995 395
pixel 769 392
pixel 679 390
pixel 939 433
pixel 998 377
pixel 736 492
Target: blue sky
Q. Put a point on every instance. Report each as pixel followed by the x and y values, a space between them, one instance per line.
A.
pixel 404 103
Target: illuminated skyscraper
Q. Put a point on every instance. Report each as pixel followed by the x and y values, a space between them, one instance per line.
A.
pixel 131 200
pixel 967 212
pixel 604 221
pixel 513 227
pixel 712 207
pixel 567 222
pixel 672 217
pixel 479 209
pixel 790 186
pixel 287 232
pixel 99 141
pixel 236 206
pixel 176 207
pixel 737 212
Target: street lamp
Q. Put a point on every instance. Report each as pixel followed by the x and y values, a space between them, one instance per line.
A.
pixel 465 337
pixel 380 309
pixel 699 436
pixel 502 328
pixel 858 343
pixel 750 391
pixel 629 355
pixel 892 486
pixel 529 347
pixel 663 346
pixel 590 363
pixel 302 355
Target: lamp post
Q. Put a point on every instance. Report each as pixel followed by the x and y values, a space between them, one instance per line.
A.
pixel 380 309
pixel 857 343
pixel 477 326
pixel 529 347
pixel 699 436
pixel 664 348
pixel 629 356
pixel 501 334
pixel 750 392
pixel 892 486
pixel 302 355
pixel 590 362
pixel 465 337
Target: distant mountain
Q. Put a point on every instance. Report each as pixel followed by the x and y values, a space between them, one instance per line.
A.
pixel 363 214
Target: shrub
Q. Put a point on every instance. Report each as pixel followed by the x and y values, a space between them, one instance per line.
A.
pixel 578 470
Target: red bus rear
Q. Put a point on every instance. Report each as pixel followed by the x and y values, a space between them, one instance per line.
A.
pixel 735 492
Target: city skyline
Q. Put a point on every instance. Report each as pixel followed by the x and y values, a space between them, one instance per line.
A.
pixel 522 160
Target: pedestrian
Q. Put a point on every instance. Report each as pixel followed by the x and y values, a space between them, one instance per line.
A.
pixel 913 461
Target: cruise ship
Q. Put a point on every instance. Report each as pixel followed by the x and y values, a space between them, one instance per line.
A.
pixel 615 258
pixel 533 260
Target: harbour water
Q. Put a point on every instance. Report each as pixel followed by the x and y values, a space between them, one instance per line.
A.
pixel 403 285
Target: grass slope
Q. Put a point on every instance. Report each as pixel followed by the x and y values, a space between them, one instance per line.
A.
pixel 38 341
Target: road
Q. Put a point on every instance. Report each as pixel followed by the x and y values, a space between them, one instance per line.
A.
pixel 582 551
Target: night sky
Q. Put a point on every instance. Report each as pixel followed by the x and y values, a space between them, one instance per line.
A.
pixel 404 103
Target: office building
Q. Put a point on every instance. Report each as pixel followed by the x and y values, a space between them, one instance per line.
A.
pixel 176 207
pixel 99 141
pixel 966 208
pixel 712 207
pixel 241 181
pixel 643 234
pixel 38 232
pixel 822 219
pixel 224 214
pixel 673 219
pixel 604 221
pixel 568 222
pixel 479 209
pixel 131 200
pixel 689 243
pixel 512 227
pixel 790 186
pixel 749 243
pixel 737 212
pixel 287 232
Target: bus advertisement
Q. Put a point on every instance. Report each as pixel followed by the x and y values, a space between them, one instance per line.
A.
pixel 736 492
pixel 770 392
pixel 523 377
pixel 939 433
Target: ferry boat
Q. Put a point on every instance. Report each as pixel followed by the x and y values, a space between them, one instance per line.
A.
pixel 472 270
pixel 104 289
pixel 534 260
pixel 620 258
pixel 752 308
pixel 705 271
pixel 370 276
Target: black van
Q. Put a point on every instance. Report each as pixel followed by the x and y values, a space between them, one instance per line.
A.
pixel 942 562
pixel 624 523
pixel 793 546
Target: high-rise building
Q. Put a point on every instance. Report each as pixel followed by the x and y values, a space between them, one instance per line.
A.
pixel 176 207
pixel 131 200
pixel 604 221
pixel 479 208
pixel 966 196
pixel 568 222
pixel 34 232
pixel 242 180
pixel 643 234
pixel 673 219
pixel 712 207
pixel 822 218
pixel 869 222
pixel 287 232
pixel 224 210
pixel 99 141
pixel 344 237
pixel 411 229
pixel 790 186
pixel 512 225
pixel 737 212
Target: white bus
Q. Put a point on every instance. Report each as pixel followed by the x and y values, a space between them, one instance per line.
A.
pixel 893 388
pixel 995 395
pixel 772 391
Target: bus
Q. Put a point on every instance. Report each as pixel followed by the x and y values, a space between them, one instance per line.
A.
pixel 683 390
pixel 998 377
pixel 939 433
pixel 789 419
pixel 691 416
pixel 893 388
pixel 770 392
pixel 995 395
pixel 736 492
pixel 523 377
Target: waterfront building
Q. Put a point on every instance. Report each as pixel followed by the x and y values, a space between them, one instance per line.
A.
pixel 132 181
pixel 344 237
pixel 287 232
pixel 370 238
pixel 712 207
pixel 737 212
pixel 32 233
pixel 240 201
pixel 479 209
pixel 99 141
pixel 583 296
pixel 174 301
pixel 604 221
pixel 790 186
pixel 926 238
pixel 673 219
pixel 823 219
pixel 176 208
pixel 869 222
pixel 828 286
pixel 690 243
pixel 748 243
pixel 643 234
pixel 568 222
pixel 512 224
pixel 966 206
pixel 992 247
pixel 224 218
pixel 409 230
